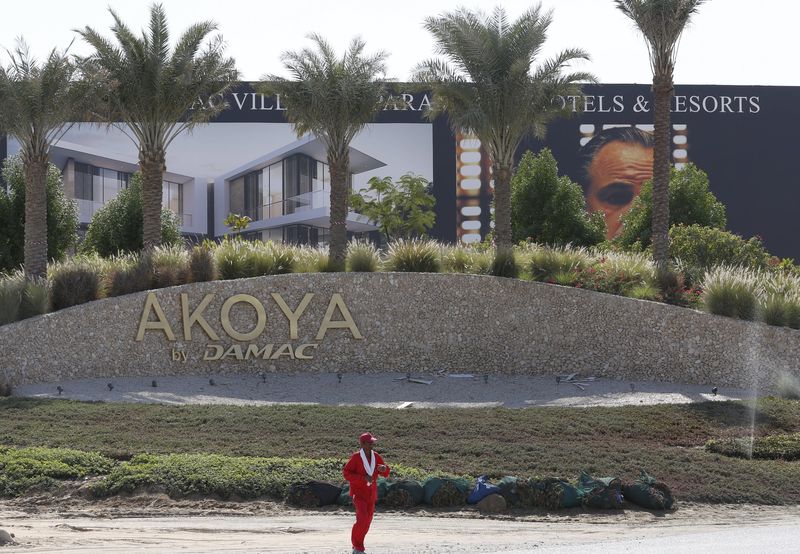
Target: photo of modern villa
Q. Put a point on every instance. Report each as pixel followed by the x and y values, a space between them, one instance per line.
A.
pixel 259 170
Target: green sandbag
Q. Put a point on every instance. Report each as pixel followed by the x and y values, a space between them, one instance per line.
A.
pixel 300 494
pixel 648 493
pixel 445 491
pixel 509 489
pixel 560 494
pixel 532 492
pixel 603 492
pixel 344 497
pixel 398 498
pixel 413 488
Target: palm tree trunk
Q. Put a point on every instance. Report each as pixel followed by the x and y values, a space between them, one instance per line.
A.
pixel 662 96
pixel 340 191
pixel 35 216
pixel 502 206
pixel 153 167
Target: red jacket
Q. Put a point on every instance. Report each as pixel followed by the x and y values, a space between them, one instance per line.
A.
pixel 356 475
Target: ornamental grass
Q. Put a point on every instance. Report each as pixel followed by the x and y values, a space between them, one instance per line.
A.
pixel 731 292
pixel 362 257
pixel 416 255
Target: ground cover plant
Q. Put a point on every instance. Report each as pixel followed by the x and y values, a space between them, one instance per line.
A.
pixel 782 447
pixel 666 440
pixel 24 468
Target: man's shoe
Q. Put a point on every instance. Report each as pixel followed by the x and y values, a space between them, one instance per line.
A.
pixel 357 551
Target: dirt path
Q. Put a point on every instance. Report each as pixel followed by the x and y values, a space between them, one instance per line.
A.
pixel 156 524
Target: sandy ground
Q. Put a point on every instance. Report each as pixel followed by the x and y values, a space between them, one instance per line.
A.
pixel 209 526
pixel 382 390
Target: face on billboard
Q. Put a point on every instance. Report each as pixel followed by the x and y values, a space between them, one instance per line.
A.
pixel 616 174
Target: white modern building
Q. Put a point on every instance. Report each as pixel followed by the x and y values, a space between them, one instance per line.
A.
pixel 286 193
pixel 260 170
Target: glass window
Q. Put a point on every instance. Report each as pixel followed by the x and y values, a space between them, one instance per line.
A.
pixel 276 190
pixel 318 176
pixel 237 196
pixel 253 195
pixel 83 182
pixel 303 174
pixel 172 196
pixel 97 184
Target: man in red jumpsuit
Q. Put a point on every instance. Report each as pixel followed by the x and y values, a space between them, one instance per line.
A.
pixel 362 473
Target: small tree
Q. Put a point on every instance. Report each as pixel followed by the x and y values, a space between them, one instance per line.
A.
pixel 690 202
pixel 61 215
pixel 117 226
pixel 401 209
pixel 237 222
pixel 550 208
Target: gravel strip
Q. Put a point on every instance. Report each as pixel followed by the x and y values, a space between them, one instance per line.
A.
pixel 382 390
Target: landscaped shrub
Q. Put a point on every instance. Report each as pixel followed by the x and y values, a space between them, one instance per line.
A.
pixel 117 226
pixel 308 259
pixel 202 266
pixel 11 289
pixel 72 284
pixel 549 208
pixel 611 275
pixel 731 291
pixel 62 215
pixel 231 258
pixel 643 291
pixel 418 255
pixel 129 274
pixel 457 259
pixel 780 299
pixel 362 257
pixel 269 258
pixel 170 266
pixel 690 202
pixel 544 263
pixel 700 248
pixel 35 299
pixel 237 259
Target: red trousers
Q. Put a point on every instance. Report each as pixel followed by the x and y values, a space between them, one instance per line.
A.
pixel 365 509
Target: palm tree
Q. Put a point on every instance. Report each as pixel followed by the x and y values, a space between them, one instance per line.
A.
pixel 38 103
pixel 333 98
pixel 149 92
pixel 488 86
pixel 661 22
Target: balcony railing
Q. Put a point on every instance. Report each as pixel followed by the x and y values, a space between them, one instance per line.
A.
pixel 87 209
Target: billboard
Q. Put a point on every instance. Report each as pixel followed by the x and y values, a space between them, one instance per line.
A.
pixel 741 136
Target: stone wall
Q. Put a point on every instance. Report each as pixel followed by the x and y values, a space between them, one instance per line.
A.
pixel 400 322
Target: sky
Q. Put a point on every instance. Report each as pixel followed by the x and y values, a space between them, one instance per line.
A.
pixel 729 42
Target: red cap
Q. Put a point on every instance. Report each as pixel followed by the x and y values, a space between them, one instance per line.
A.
pixel 367 437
